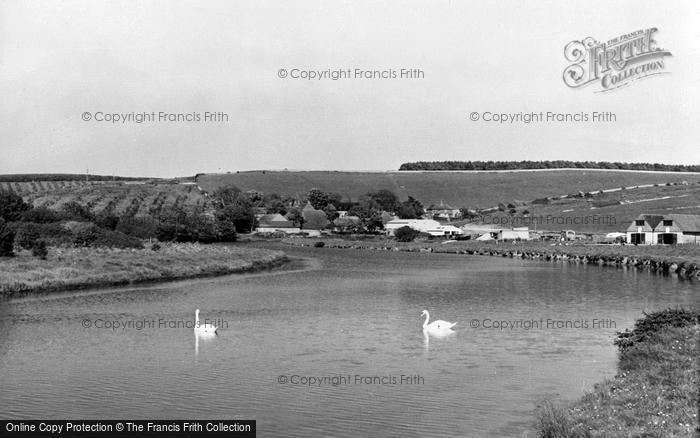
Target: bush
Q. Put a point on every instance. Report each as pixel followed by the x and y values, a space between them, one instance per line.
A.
pixel 39 249
pixel 652 323
pixel 29 232
pixel 319 244
pixel 41 215
pixel 12 206
pixel 73 211
pixel 92 235
pixel 406 234
pixel 108 221
pixel 7 239
pixel 143 228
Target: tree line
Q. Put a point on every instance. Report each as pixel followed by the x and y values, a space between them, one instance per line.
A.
pixel 556 164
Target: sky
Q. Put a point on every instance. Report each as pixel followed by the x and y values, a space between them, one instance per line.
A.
pixel 66 66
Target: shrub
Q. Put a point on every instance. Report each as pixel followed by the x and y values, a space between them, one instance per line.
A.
pixel 29 232
pixel 7 239
pixel 39 249
pixel 12 206
pixel 405 234
pixel 652 323
pixel 73 211
pixel 92 235
pixel 142 228
pixel 108 221
pixel 41 215
pixel 319 244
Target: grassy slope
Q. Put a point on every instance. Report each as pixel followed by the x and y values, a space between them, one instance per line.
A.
pixel 460 189
pixel 614 210
pixel 90 267
pixel 655 393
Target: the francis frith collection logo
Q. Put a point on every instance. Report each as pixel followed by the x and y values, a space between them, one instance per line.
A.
pixel 615 63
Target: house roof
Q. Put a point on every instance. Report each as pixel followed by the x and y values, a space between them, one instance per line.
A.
pixel 650 222
pixel 442 206
pixel 684 222
pixel 274 221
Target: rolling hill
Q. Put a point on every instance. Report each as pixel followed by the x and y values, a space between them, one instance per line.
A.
pixel 458 189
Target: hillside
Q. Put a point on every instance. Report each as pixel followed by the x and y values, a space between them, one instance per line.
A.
pixel 138 200
pixel 600 212
pixel 459 189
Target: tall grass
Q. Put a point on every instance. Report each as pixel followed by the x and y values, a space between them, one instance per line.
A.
pixel 67 268
pixel 654 394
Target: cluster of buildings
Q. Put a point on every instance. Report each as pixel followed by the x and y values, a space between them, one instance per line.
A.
pixel 645 229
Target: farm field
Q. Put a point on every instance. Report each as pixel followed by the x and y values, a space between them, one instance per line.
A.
pixel 138 200
pixel 459 189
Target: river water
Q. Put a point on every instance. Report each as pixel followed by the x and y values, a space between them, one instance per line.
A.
pixel 331 345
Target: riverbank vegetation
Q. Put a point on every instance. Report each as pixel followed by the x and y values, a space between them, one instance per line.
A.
pixel 683 259
pixel 64 268
pixel 655 392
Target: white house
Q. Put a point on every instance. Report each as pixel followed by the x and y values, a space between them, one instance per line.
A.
pixel 669 229
pixel 429 226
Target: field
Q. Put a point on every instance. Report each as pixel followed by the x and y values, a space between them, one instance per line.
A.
pixel 458 189
pixel 70 268
pixel 138 200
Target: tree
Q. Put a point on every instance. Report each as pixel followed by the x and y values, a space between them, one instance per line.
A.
pixel 294 215
pixel 225 226
pixel 386 199
pixel 331 212
pixel 12 206
pixel 405 234
pixel 7 239
pixel 240 214
pixel 410 209
pixel 236 207
pixel 318 199
pixel 227 195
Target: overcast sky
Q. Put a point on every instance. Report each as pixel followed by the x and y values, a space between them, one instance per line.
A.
pixel 60 59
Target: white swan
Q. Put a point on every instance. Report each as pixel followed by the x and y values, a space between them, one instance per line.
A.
pixel 437 327
pixel 203 328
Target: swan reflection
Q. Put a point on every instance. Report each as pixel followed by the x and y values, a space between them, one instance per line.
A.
pixel 205 337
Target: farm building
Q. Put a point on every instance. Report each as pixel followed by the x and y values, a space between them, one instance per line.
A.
pixel 429 226
pixel 669 229
pixel 522 233
pixel 271 223
pixel 443 211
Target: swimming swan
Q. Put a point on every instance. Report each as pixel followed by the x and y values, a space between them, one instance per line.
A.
pixel 202 328
pixel 438 326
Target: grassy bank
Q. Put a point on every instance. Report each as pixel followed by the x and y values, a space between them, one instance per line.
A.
pixel 70 268
pixel 682 259
pixel 655 393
